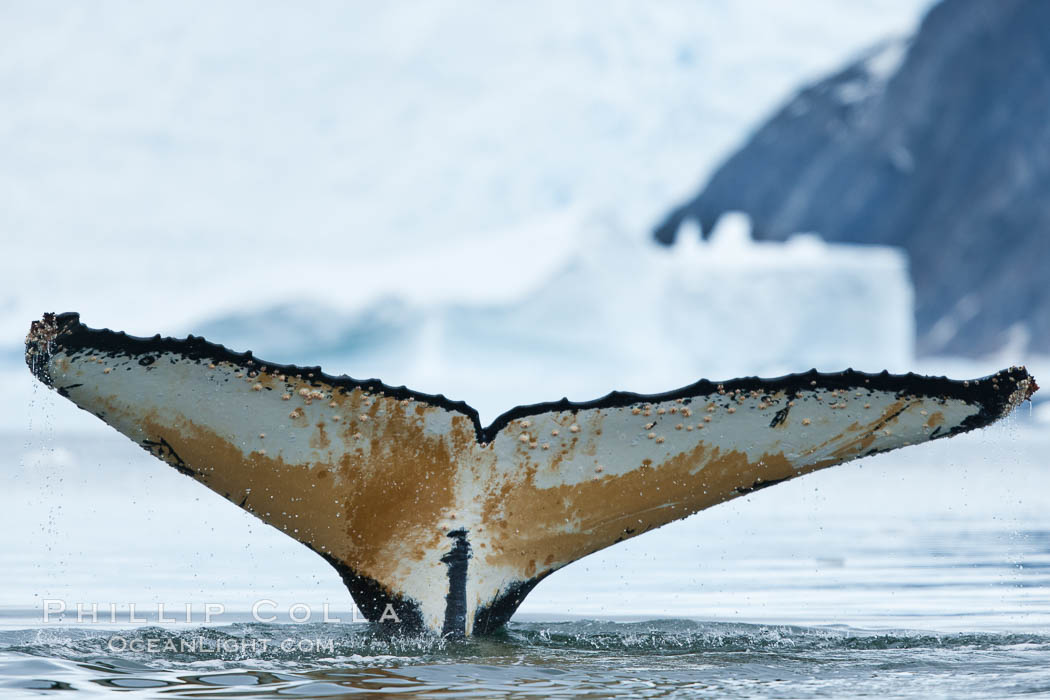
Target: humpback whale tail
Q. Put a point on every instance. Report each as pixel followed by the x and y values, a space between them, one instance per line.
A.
pixel 436 522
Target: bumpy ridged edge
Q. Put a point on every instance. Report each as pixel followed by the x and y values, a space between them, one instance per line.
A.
pixel 996 394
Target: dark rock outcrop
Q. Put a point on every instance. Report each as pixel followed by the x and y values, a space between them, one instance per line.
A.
pixel 946 154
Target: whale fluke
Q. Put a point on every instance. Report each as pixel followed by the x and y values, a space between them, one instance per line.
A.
pixel 435 522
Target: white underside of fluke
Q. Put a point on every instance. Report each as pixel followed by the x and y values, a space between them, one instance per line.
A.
pixel 381 480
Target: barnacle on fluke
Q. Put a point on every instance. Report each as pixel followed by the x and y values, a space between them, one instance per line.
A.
pixel 437 522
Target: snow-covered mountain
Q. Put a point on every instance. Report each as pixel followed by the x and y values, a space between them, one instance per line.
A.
pixel 940 146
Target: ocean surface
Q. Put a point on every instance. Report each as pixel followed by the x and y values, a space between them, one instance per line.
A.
pixel 919 573
pixel 659 658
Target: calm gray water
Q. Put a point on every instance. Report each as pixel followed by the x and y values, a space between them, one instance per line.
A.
pixel 922 573
pixel 663 658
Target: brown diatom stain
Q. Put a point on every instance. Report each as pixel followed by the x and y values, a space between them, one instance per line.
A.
pixel 571 520
pixel 320 440
pixel 379 504
pixel 250 479
pixel 604 510
pixel 404 485
pixel 857 438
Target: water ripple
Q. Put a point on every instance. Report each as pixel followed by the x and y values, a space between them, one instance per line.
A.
pixel 659 658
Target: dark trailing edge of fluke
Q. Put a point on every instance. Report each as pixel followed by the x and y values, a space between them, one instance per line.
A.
pixel 994 393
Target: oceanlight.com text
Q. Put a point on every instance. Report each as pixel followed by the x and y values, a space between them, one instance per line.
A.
pixel 200 645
